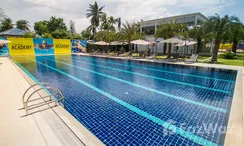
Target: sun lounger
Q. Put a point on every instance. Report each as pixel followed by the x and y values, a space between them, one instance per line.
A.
pixel 193 58
pixel 127 54
pixel 151 57
pixel 142 54
pixel 175 58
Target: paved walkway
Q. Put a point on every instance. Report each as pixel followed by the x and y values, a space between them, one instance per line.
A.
pixel 42 127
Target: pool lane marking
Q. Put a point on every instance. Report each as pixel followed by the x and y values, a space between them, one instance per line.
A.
pixel 140 112
pixel 149 89
pixel 152 69
pixel 34 79
pixel 158 78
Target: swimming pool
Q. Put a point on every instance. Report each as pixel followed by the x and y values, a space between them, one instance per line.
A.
pixel 126 102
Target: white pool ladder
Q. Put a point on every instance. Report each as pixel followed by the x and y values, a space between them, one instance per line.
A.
pixel 54 97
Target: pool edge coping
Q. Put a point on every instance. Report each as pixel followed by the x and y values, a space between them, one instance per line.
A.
pixel 80 131
pixel 235 120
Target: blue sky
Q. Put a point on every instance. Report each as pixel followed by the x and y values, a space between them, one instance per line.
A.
pixel 236 9
pixel 130 10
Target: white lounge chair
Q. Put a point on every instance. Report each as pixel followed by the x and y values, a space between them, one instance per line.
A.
pixel 193 58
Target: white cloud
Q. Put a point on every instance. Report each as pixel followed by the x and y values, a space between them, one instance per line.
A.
pixel 126 9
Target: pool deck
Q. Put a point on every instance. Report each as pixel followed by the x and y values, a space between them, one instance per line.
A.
pixel 55 126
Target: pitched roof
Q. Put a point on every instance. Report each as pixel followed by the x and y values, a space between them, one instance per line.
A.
pixel 14 32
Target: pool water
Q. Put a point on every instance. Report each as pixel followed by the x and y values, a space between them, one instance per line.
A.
pixel 126 102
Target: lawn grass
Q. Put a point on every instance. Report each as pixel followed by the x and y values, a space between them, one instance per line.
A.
pixel 236 62
pixel 202 59
pixel 205 59
pixel 221 60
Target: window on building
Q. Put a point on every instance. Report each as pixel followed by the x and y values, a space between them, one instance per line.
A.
pixel 190 19
pixel 148 30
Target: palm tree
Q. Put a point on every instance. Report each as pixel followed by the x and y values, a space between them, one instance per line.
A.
pixel 86 34
pixel 107 23
pixel 6 24
pixel 23 24
pixel 235 33
pixel 198 33
pixel 130 32
pixel 118 20
pixel 218 26
pixel 2 14
pixel 169 30
pixel 96 14
pixel 107 36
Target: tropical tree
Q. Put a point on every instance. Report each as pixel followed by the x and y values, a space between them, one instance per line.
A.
pixel 218 26
pixel 23 24
pixel 86 34
pixel 169 30
pixel 61 34
pixel 199 34
pixel 28 35
pixel 107 23
pixel 77 36
pixel 129 32
pixel 41 27
pixel 6 24
pixel 235 34
pixel 107 36
pixel 56 24
pixel 2 14
pixel 118 20
pixel 72 27
pixel 95 13
pixel 47 35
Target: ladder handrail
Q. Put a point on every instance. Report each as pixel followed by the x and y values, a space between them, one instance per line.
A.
pixel 50 86
pixel 40 84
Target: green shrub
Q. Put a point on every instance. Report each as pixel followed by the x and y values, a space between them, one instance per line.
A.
pixel 230 55
pixel 28 35
pixel 47 35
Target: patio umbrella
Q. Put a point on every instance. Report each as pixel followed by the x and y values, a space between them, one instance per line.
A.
pixel 115 43
pixel 172 41
pixel 187 43
pixel 139 42
pixel 101 43
pixel 4 41
pixel 91 41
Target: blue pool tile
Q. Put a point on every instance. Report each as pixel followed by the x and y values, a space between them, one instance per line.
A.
pixel 114 124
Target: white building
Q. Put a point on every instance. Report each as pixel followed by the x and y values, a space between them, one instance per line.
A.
pixel 149 27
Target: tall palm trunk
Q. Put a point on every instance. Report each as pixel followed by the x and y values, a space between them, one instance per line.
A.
pixel 169 51
pixel 129 46
pixel 198 46
pixel 234 46
pixel 94 31
pixel 215 50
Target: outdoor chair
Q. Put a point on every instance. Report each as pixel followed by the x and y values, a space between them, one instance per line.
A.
pixel 121 52
pixel 192 59
pixel 153 56
pixel 175 58
pixel 128 54
pixel 142 54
